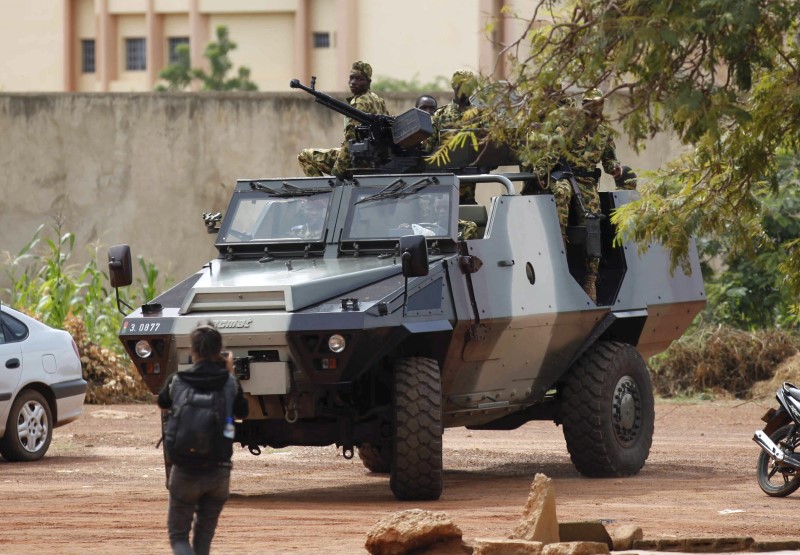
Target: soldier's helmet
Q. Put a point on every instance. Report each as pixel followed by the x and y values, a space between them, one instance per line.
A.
pixel 464 82
pixel 592 95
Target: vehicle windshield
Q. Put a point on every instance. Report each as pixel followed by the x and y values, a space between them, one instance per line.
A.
pixel 427 212
pixel 256 217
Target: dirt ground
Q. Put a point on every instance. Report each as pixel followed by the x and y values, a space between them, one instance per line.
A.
pixel 100 489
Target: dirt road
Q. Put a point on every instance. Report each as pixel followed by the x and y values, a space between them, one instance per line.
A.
pixel 100 489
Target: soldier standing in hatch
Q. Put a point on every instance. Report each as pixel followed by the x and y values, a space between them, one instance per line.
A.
pixel 451 116
pixel 336 161
pixel 593 144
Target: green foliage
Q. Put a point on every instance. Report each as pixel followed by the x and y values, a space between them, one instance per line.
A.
pixel 383 83
pixel 179 74
pixel 722 75
pixel 46 285
pixel 750 292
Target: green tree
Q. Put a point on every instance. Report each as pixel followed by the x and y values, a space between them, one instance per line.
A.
pixel 749 291
pixel 721 75
pixel 180 74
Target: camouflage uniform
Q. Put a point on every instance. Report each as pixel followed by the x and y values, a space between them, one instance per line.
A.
pixel 450 116
pixel 336 161
pixel 368 102
pixel 593 145
pixel 467 229
pixel 317 161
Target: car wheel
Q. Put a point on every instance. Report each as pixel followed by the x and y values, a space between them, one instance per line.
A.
pixel 29 429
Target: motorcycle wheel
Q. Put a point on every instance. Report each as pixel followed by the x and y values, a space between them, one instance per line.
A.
pixel 774 478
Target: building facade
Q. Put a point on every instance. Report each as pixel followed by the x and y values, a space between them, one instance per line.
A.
pixel 122 45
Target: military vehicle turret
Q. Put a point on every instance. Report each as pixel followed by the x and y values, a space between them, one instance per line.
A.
pixel 358 317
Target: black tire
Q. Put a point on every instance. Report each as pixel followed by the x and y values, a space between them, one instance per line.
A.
pixel 416 458
pixel 29 428
pixel 775 479
pixel 376 458
pixel 607 410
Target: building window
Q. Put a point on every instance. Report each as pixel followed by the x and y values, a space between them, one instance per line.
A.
pixel 135 55
pixel 87 55
pixel 322 40
pixel 172 45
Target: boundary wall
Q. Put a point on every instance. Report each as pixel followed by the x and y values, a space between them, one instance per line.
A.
pixel 142 168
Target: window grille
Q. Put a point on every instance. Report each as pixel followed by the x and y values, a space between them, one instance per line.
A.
pixel 322 40
pixel 135 54
pixel 173 44
pixel 87 56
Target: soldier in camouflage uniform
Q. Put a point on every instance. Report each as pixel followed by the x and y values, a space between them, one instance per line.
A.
pixel 336 161
pixel 451 116
pixel 593 144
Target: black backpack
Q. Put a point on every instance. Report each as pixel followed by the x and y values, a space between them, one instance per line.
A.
pixel 193 435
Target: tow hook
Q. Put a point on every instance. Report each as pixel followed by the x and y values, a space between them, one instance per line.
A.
pixel 254 450
pixel 347 452
pixel 291 410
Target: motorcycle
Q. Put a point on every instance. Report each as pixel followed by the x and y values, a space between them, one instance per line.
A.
pixel 778 467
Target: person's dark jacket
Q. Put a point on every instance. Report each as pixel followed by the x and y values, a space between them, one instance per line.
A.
pixel 206 376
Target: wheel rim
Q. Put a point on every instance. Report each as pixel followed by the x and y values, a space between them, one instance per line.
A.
pixel 32 426
pixel 626 411
pixel 779 477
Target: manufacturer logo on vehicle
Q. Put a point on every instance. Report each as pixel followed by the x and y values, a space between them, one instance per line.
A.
pixel 244 323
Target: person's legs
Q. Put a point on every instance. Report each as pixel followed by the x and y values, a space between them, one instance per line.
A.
pixel 591 199
pixel 209 507
pixel 562 194
pixel 183 496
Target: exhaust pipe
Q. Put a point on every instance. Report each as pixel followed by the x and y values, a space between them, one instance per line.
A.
pixel 772 450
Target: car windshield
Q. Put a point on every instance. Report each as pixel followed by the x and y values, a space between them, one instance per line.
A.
pixel 259 218
pixel 427 212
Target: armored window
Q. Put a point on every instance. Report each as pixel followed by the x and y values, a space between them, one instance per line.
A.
pixel 87 55
pixel 173 43
pixel 322 40
pixel 135 54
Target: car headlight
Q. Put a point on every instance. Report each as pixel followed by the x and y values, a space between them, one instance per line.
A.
pixel 143 348
pixel 336 343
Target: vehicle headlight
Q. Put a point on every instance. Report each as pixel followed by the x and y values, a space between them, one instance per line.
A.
pixel 143 348
pixel 336 343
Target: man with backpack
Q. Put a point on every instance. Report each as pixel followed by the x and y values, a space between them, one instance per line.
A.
pixel 198 440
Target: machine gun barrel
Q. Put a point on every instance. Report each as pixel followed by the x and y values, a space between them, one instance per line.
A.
pixel 338 106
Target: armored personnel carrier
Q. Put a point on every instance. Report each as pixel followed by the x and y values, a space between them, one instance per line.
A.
pixel 358 316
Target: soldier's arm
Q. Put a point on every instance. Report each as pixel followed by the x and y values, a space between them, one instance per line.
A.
pixel 609 158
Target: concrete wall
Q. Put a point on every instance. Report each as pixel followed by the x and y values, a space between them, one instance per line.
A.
pixel 142 168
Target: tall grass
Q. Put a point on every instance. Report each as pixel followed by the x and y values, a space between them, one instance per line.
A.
pixel 45 284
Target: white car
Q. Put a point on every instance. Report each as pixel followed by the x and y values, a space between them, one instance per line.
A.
pixel 41 385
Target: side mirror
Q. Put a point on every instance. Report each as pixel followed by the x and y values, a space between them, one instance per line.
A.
pixel 414 255
pixel 120 270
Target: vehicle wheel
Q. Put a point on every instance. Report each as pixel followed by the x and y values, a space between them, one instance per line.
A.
pixel 377 458
pixel 29 428
pixel 607 410
pixel 774 478
pixel 416 457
